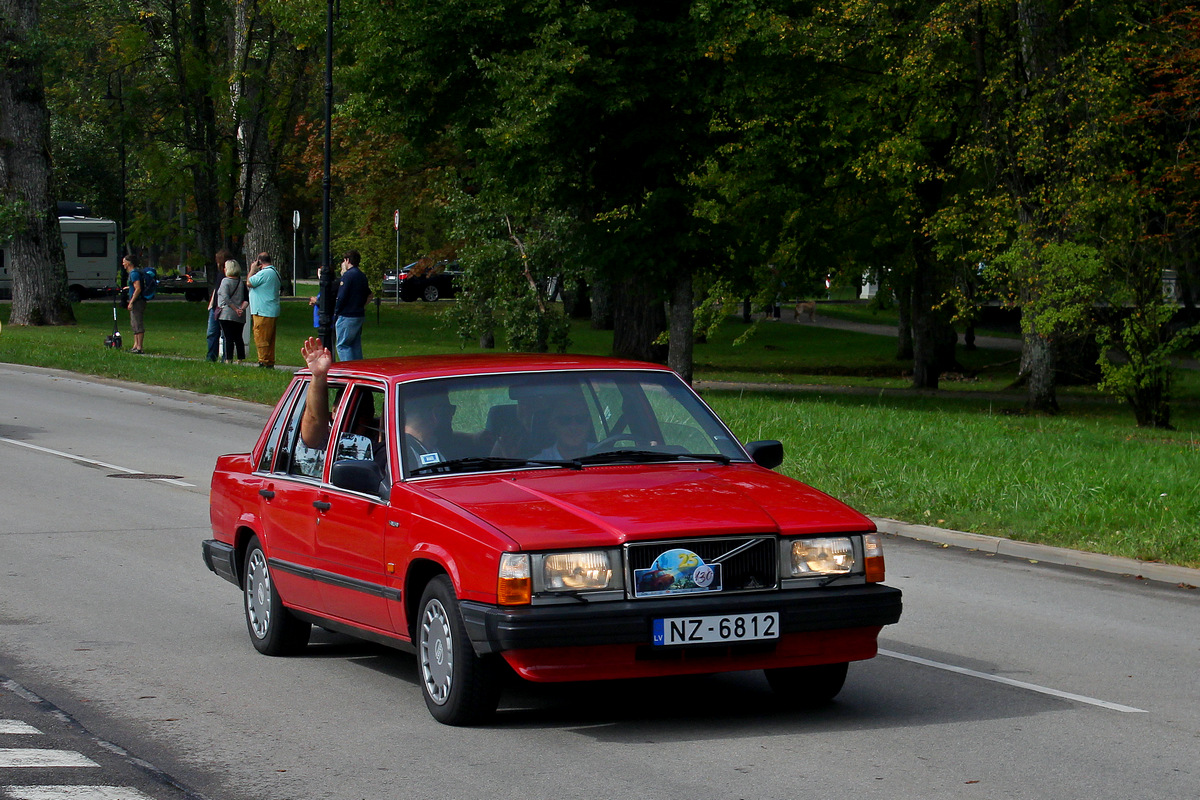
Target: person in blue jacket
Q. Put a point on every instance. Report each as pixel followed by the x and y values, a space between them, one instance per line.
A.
pixel 350 309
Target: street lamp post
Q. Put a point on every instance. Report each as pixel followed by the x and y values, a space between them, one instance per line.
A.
pixel 328 272
pixel 119 102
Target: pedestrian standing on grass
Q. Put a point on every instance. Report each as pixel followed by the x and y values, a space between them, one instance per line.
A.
pixel 231 305
pixel 351 308
pixel 264 286
pixel 137 303
pixel 315 300
pixel 213 335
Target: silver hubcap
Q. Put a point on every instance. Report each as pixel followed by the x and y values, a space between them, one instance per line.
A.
pixel 258 594
pixel 437 652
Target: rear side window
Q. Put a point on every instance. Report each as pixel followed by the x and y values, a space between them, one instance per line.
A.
pixel 92 245
pixel 267 461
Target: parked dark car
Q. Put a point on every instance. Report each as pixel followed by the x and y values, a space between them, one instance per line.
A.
pixel 417 280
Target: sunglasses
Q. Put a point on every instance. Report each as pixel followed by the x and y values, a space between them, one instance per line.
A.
pixel 568 419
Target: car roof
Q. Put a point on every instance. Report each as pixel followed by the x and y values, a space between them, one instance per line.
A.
pixel 411 368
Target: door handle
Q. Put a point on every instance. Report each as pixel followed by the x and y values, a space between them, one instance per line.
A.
pixel 321 505
pixel 267 493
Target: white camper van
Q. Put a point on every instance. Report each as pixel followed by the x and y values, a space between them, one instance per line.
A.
pixel 90 245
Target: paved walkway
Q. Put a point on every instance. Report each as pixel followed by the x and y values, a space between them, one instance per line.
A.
pixel 987 342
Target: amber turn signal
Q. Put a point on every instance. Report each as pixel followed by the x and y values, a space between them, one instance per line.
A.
pixel 873 557
pixel 513 584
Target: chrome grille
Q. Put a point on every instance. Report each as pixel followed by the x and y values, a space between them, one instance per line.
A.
pixel 748 563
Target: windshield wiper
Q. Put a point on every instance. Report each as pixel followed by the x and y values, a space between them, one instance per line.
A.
pixel 648 457
pixel 479 463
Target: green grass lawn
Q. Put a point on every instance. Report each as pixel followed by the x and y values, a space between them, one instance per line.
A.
pixel 962 458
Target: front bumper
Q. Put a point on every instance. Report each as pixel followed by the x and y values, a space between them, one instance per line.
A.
pixel 496 629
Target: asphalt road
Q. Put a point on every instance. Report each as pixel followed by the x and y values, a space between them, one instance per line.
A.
pixel 1004 679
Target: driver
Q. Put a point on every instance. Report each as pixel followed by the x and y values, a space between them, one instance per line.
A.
pixel 571 426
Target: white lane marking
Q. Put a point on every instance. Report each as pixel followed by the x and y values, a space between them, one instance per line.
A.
pixel 16 726
pixel 93 462
pixel 73 793
pixel 34 757
pixel 1033 687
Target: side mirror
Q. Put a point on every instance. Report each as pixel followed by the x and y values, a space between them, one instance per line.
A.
pixel 768 453
pixel 354 475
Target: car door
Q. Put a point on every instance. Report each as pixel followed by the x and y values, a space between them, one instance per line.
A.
pixel 290 482
pixel 351 523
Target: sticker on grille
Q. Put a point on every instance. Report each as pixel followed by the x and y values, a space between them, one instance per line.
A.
pixel 691 566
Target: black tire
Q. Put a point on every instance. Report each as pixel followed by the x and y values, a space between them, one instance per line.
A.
pixel 430 293
pixel 74 295
pixel 274 631
pixel 460 688
pixel 807 687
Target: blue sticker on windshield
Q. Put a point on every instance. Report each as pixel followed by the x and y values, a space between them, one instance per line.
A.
pixel 430 458
pixel 677 571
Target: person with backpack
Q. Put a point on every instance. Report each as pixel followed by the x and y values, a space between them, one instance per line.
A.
pixel 265 287
pixel 143 284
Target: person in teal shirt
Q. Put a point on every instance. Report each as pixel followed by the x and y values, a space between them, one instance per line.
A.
pixel 265 285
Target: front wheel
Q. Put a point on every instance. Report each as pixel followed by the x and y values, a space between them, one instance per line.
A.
pixel 274 631
pixel 807 687
pixel 460 687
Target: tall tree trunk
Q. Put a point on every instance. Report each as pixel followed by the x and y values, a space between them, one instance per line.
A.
pixel 602 305
pixel 39 269
pixel 904 333
pixel 638 320
pixel 1038 363
pixel 191 62
pixel 926 364
pixel 1038 58
pixel 258 189
pixel 679 356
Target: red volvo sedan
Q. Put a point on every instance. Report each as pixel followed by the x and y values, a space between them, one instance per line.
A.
pixel 569 518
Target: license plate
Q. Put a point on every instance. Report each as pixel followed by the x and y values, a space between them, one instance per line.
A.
pixel 717 629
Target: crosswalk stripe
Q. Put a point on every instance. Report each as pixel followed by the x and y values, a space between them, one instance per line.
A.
pixel 16 726
pixel 73 793
pixel 35 757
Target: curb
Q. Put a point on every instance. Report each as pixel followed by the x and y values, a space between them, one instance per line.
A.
pixel 1182 577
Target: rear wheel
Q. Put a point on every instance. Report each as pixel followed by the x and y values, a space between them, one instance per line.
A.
pixel 274 631
pixel 460 687
pixel 431 293
pixel 807 687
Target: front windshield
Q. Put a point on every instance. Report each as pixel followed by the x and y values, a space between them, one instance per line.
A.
pixel 554 418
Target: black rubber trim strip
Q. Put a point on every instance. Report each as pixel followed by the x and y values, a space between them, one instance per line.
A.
pixel 333 579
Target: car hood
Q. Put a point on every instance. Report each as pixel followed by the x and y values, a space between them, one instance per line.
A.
pixel 611 505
